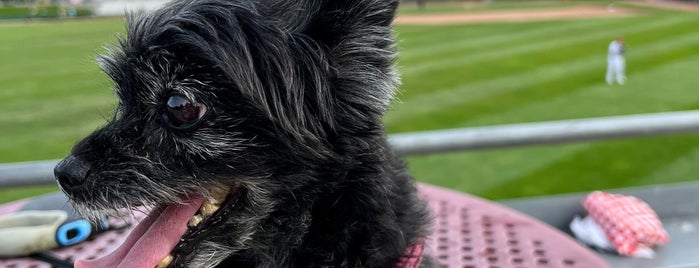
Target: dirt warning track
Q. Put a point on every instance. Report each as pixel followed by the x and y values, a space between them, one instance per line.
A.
pixel 514 15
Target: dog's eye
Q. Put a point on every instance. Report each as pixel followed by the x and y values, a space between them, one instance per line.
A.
pixel 181 112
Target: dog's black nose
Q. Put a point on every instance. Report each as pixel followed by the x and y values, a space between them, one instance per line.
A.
pixel 71 172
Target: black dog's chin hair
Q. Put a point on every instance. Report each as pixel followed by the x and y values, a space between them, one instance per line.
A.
pixel 295 92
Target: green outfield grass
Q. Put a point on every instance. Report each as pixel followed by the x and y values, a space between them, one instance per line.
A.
pixel 453 76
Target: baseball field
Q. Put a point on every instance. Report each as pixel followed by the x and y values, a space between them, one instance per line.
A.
pixel 454 75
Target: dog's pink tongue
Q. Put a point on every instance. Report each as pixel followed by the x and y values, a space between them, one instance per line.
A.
pixel 151 241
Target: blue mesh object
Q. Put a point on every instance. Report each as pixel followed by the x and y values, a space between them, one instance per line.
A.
pixel 71 233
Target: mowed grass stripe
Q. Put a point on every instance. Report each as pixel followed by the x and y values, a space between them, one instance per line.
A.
pixel 680 170
pixel 478 171
pixel 641 94
pixel 446 108
pixel 49 111
pixel 428 34
pixel 36 68
pixel 605 166
pixel 25 91
pixel 52 124
pixel 79 29
pixel 414 36
pixel 39 141
pixel 445 64
pixel 466 41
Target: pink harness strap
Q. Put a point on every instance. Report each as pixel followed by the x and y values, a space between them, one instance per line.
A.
pixel 412 256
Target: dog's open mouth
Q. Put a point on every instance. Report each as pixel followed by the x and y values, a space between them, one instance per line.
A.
pixel 166 233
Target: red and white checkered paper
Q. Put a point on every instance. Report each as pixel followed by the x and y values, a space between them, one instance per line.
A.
pixel 628 222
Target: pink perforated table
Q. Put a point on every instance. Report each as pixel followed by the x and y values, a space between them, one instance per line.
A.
pixel 474 233
pixel 469 232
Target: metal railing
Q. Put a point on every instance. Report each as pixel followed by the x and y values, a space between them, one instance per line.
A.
pixel 603 128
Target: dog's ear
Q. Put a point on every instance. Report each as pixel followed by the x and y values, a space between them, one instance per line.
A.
pixel 332 21
pixel 356 40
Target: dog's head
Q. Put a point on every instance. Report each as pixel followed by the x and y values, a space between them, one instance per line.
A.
pixel 237 107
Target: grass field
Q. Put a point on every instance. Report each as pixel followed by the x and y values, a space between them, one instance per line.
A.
pixel 474 6
pixel 453 76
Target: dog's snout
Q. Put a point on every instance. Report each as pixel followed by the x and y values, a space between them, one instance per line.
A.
pixel 71 172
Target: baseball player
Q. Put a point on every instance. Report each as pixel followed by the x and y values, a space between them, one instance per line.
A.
pixel 615 62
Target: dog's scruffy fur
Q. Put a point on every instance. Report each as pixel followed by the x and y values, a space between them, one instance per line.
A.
pixel 294 92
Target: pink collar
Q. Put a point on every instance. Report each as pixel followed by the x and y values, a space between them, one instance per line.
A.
pixel 412 256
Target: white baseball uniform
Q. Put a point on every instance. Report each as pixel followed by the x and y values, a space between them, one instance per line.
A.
pixel 616 64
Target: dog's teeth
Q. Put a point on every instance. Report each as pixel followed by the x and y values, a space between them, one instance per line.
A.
pixel 165 262
pixel 194 221
pixel 208 208
pixel 218 195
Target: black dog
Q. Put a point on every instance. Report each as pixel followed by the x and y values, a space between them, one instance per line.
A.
pixel 254 130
